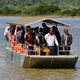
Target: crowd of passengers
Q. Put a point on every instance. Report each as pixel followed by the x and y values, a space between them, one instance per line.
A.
pixel 45 40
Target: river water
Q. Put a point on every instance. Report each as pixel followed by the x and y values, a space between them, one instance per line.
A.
pixel 9 71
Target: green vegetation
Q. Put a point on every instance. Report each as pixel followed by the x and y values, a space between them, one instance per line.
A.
pixel 65 4
pixel 40 7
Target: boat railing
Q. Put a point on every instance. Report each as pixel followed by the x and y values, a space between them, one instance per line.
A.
pixel 63 50
pixel 23 48
pixel 60 49
pixel 35 51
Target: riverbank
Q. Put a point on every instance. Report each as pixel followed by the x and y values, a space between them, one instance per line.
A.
pixel 54 16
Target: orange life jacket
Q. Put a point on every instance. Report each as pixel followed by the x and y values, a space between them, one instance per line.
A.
pixel 17 48
pixel 21 49
pixel 12 42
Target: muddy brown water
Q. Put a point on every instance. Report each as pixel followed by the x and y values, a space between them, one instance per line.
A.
pixel 9 71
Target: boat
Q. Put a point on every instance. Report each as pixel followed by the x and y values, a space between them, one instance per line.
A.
pixel 40 61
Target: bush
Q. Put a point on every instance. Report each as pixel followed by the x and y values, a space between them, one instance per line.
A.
pixel 38 10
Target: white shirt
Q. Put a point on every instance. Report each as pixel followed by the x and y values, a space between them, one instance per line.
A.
pixel 18 33
pixel 50 39
pixel 65 36
pixel 6 30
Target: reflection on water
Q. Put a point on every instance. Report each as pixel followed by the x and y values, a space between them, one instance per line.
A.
pixel 9 71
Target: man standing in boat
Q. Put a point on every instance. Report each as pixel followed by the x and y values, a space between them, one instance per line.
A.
pixel 45 29
pixel 29 41
pixel 66 41
pixel 51 39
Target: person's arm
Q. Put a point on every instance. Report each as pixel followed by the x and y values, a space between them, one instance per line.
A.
pixel 45 37
pixel 26 42
pixel 62 40
pixel 56 41
pixel 45 42
pixel 36 42
pixel 15 32
pixel 59 38
pixel 70 40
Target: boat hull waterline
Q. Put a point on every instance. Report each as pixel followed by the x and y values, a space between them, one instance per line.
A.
pixel 36 61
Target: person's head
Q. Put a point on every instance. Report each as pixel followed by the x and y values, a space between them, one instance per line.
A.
pixel 27 27
pixel 36 29
pixel 22 27
pixel 18 28
pixel 14 27
pixel 55 28
pixel 41 29
pixel 39 33
pixel 66 31
pixel 32 29
pixel 43 25
pixel 10 25
pixel 51 31
pixel 29 30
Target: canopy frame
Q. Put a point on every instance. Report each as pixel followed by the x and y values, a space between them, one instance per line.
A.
pixel 28 21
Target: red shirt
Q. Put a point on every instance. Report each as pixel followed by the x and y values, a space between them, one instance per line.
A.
pixel 29 38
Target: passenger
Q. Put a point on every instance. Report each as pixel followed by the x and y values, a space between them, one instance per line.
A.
pixel 18 34
pixel 22 35
pixel 40 45
pixel 66 41
pixel 58 36
pixel 51 41
pixel 12 28
pixel 36 31
pixel 29 41
pixel 32 29
pixel 7 33
pixel 45 29
pixel 33 33
pixel 27 28
pixel 41 30
pixel 12 41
